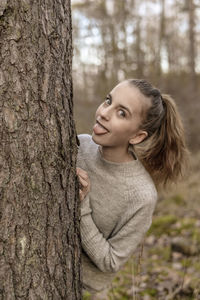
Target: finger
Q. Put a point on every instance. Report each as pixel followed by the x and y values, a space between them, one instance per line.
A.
pixel 81 178
pixel 85 177
pixel 77 170
pixel 82 173
pixel 81 195
pixel 83 182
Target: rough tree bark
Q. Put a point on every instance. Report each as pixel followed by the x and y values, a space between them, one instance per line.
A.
pixel 39 215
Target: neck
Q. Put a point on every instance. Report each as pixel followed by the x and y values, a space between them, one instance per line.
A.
pixel 116 154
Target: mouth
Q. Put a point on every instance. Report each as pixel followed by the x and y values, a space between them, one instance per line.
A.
pixel 102 125
pixel 99 129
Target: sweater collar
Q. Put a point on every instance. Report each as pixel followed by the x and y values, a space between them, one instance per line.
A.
pixel 129 167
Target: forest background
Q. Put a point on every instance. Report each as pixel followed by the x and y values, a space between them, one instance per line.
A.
pixel 158 40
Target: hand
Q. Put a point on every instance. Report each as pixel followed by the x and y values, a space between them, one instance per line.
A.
pixel 84 183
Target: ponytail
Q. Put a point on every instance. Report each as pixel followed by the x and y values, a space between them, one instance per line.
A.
pixel 164 152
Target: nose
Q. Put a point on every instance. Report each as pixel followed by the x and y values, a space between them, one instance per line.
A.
pixel 105 113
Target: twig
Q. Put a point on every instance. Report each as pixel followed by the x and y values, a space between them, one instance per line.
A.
pixel 138 271
pixel 133 279
pixel 179 288
pixel 184 272
pixel 112 292
pixel 174 293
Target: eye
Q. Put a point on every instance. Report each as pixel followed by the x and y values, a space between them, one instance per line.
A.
pixel 108 101
pixel 122 113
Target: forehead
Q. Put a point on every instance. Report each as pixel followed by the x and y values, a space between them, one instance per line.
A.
pixel 126 94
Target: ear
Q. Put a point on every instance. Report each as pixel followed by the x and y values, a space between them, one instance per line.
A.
pixel 138 137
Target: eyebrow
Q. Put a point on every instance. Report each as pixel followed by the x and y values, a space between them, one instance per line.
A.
pixel 122 106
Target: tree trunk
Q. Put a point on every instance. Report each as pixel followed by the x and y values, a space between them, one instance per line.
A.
pixel 192 52
pixel 161 42
pixel 139 53
pixel 39 215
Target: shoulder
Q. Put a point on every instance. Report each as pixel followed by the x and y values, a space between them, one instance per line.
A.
pixel 84 138
pixel 149 194
pixel 86 143
pixel 86 149
pixel 143 190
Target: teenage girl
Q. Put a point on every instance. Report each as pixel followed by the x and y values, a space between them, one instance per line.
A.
pixel 137 143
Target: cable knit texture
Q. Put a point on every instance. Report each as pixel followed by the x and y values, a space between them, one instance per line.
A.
pixel 115 214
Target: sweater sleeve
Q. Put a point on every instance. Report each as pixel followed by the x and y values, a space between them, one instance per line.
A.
pixel 109 255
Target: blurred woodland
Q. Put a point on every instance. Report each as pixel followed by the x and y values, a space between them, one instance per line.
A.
pixel 158 40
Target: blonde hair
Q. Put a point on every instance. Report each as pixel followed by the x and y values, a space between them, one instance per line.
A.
pixel 164 152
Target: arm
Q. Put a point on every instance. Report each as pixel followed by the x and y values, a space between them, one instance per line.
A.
pixel 111 254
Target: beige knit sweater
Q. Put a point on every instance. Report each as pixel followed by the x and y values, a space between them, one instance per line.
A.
pixel 115 214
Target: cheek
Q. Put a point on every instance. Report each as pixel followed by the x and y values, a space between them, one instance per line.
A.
pixel 135 124
pixel 127 129
pixel 98 110
pixel 121 130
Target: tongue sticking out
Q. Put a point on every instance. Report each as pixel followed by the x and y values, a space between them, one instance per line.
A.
pixel 98 129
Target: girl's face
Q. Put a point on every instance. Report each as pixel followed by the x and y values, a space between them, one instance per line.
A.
pixel 118 118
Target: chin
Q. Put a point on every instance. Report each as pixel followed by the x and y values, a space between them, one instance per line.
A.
pixel 97 140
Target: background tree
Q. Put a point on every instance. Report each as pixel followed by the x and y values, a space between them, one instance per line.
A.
pixel 192 44
pixel 39 233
